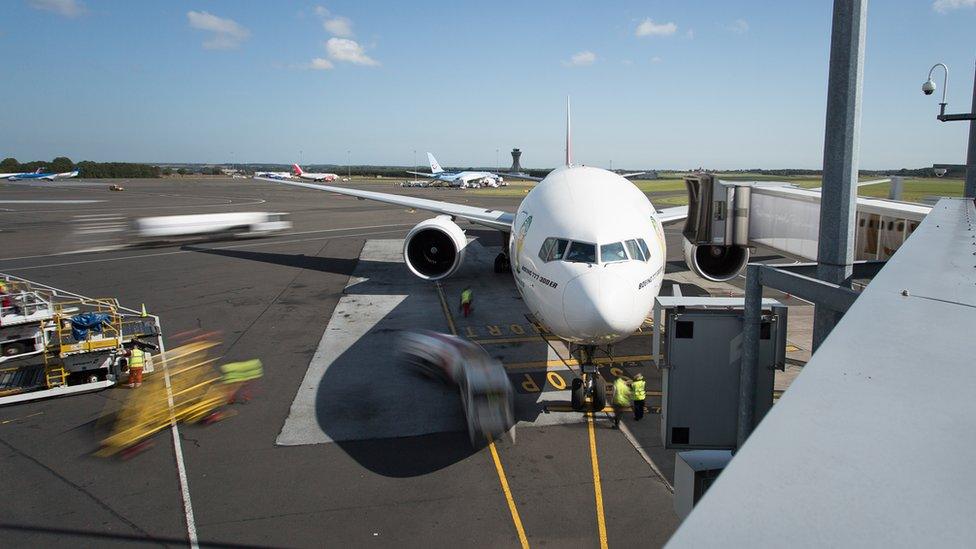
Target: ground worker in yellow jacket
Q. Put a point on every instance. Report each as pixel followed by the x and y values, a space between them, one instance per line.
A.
pixel 137 361
pixel 639 387
pixel 621 400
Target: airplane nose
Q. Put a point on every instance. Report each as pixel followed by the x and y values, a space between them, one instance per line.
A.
pixel 600 305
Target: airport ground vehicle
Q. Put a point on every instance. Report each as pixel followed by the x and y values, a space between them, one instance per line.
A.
pixel 54 343
pixel 232 224
pixel 486 392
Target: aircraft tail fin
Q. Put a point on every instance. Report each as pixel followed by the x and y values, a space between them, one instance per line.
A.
pixel 569 135
pixel 296 169
pixel 434 166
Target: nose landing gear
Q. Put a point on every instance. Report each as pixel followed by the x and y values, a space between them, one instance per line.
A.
pixel 589 391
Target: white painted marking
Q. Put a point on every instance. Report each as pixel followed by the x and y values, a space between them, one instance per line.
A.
pixel 143 256
pixel 99 231
pixel 50 201
pixel 191 525
pixel 100 216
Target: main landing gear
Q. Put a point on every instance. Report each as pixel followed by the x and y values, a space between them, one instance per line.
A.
pixel 502 264
pixel 589 392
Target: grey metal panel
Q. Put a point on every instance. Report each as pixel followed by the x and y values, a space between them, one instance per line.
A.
pixel 873 444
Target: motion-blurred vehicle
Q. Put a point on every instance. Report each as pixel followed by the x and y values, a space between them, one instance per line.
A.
pixel 218 225
pixel 486 392
pixel 116 188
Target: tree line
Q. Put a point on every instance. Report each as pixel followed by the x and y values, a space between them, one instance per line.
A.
pixel 86 168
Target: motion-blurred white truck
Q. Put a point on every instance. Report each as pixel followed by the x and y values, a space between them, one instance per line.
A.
pixel 225 225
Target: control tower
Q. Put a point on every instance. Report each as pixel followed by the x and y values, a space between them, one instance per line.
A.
pixel 516 167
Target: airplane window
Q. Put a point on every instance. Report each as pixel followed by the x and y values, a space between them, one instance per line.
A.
pixel 901 226
pixel 643 247
pixel 612 252
pixel 634 250
pixel 890 225
pixel 546 248
pixel 553 248
pixel 559 249
pixel 581 252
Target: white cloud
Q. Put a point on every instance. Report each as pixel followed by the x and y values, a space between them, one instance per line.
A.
pixel 321 11
pixel 581 59
pixel 690 34
pixel 741 26
pixel 656 59
pixel 648 27
pixel 943 6
pixel 338 26
pixel 320 64
pixel 67 8
pixel 348 51
pixel 227 33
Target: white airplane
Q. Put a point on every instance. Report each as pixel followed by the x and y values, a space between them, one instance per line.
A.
pixel 39 175
pixel 460 179
pixel 273 175
pixel 297 171
pixel 587 252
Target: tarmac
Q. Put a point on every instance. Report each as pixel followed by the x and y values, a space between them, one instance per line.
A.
pixel 342 445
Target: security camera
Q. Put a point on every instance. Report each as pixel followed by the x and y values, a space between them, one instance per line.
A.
pixel 939 172
pixel 928 88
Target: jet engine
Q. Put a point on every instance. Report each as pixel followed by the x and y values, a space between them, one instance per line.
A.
pixel 434 249
pixel 715 263
pixel 716 233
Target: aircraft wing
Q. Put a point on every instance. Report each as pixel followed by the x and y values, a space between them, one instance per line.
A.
pixel 670 215
pixel 495 219
pixel 863 183
pixel 629 175
pixel 423 174
pixel 520 176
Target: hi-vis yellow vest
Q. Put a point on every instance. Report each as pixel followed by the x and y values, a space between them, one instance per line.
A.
pixel 639 389
pixel 138 358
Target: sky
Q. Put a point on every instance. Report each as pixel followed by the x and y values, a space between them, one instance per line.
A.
pixel 654 84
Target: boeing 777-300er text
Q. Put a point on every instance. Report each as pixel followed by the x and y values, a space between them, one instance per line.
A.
pixel 297 171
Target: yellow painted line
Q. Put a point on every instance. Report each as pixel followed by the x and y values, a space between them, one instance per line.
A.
pixel 563 407
pixel 447 311
pixel 540 364
pixel 508 496
pixel 491 444
pixel 597 488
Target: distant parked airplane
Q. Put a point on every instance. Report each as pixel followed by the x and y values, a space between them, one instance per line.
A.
pixel 460 179
pixel 40 175
pixel 297 171
pixel 273 175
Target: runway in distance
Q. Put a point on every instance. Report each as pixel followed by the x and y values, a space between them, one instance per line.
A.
pixel 296 171
pixel 460 179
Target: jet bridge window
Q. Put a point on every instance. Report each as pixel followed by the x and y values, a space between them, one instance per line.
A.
pixel 610 253
pixel 552 249
pixel 635 251
pixel 581 252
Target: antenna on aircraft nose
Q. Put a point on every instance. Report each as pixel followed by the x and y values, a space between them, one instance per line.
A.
pixel 569 135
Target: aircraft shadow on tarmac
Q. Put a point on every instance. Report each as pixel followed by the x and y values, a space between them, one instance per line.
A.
pixel 369 402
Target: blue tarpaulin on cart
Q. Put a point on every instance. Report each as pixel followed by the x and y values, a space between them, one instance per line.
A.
pixel 87 322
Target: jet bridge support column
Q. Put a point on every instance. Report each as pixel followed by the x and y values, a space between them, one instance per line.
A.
pixel 835 250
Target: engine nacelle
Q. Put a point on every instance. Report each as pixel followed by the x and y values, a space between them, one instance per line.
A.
pixel 715 263
pixel 434 249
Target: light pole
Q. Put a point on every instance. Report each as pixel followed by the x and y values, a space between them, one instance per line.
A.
pixel 928 88
pixel 497 167
pixel 348 167
pixel 415 166
pixel 301 158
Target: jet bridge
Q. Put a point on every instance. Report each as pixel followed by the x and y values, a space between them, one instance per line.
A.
pixel 726 219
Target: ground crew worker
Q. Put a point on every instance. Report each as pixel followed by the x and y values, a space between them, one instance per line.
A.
pixel 137 360
pixel 621 400
pixel 640 393
pixel 242 374
pixel 466 297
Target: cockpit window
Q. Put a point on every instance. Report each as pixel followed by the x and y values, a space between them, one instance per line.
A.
pixel 553 248
pixel 581 252
pixel 610 253
pixel 643 247
pixel 635 251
